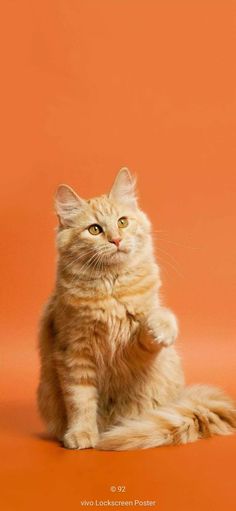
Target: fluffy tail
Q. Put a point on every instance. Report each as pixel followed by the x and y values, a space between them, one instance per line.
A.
pixel 200 412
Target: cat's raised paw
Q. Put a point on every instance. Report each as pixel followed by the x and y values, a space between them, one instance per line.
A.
pixel 80 439
pixel 166 338
pixel 165 330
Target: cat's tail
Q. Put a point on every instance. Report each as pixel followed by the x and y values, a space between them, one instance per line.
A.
pixel 200 412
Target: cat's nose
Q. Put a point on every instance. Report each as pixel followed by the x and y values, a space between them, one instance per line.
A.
pixel 116 241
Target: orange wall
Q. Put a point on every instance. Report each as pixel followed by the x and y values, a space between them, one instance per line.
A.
pixel 89 86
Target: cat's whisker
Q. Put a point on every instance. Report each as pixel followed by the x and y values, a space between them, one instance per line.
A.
pixel 91 260
pixel 82 271
pixel 155 230
pixel 89 264
pixel 81 256
pixel 98 264
pixel 183 245
pixel 86 264
pixel 162 265
pixel 166 253
pixel 171 266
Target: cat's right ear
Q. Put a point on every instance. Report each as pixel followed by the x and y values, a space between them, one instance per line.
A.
pixel 123 189
pixel 67 205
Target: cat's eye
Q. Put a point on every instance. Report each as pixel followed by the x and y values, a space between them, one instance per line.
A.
pixel 123 222
pixel 95 229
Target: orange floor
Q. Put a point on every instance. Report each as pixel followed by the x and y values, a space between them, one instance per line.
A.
pixel 87 87
pixel 37 473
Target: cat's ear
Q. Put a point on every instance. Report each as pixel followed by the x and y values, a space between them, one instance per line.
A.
pixel 124 188
pixel 67 204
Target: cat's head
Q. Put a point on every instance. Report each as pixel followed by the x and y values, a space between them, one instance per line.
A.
pixel 104 232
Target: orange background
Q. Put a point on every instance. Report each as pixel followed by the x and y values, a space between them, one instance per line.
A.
pixel 89 86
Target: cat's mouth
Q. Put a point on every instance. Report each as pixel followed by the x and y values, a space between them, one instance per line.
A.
pixel 118 253
pixel 121 250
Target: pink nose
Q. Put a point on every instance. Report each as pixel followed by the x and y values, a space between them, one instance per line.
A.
pixel 116 241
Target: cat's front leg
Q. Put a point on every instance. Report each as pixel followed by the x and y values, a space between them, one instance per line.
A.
pixel 163 327
pixel 77 375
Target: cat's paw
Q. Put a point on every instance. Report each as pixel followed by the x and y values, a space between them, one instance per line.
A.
pixel 165 330
pixel 166 337
pixel 80 439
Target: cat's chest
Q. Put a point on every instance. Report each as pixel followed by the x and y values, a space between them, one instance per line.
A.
pixel 118 305
pixel 114 331
pixel 119 318
pixel 112 309
pixel 118 321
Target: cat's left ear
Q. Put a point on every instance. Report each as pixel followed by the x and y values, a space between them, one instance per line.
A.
pixel 124 188
pixel 67 205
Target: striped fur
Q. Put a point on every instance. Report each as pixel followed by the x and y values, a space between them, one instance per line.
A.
pixel 110 377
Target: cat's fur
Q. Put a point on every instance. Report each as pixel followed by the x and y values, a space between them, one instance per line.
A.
pixel 110 377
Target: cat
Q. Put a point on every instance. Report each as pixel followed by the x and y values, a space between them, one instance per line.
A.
pixel 110 376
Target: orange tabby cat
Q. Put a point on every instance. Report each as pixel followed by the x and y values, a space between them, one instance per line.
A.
pixel 110 377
